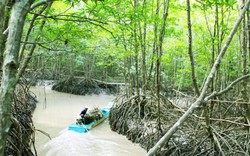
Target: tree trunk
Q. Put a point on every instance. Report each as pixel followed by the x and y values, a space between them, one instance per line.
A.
pixel 158 60
pixel 2 18
pixel 248 29
pixel 155 48
pixel 202 96
pixel 190 52
pixel 33 47
pixel 244 64
pixel 10 65
pixel 143 49
pixel 136 46
pixel 8 7
pixel 32 24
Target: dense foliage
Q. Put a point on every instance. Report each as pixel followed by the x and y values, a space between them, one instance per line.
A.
pixel 97 39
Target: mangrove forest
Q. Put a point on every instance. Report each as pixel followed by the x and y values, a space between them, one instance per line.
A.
pixel 179 70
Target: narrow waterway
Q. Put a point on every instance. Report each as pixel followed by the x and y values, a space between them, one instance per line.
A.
pixel 55 111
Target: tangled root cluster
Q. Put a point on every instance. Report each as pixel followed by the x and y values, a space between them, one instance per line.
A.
pixel 82 86
pixel 142 122
pixel 139 118
pixel 21 133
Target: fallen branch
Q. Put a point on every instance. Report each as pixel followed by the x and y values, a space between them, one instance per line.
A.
pixel 213 119
pixel 233 102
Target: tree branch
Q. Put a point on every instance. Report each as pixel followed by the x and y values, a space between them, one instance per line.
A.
pixel 229 87
pixel 39 3
pixel 91 21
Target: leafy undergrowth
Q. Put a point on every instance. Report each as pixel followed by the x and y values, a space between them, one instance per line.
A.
pixel 142 122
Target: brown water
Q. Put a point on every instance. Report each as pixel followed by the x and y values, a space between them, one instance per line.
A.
pixel 55 111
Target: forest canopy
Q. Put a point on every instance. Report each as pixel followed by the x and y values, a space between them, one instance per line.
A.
pixel 102 32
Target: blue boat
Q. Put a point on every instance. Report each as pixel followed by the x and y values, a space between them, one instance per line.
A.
pixel 86 127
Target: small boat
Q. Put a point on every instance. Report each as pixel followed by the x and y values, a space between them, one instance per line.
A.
pixel 86 127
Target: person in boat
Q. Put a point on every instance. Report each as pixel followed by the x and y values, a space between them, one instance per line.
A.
pixel 80 118
pixel 93 115
pixel 88 117
pixel 83 112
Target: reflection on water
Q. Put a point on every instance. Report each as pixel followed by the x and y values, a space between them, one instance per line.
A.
pixel 55 111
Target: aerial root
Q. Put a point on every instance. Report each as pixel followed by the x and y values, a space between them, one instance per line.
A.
pixel 137 118
pixel 21 132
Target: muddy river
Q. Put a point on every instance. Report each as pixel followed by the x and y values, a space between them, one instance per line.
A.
pixel 55 111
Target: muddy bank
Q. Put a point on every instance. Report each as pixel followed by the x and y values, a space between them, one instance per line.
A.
pixel 83 86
